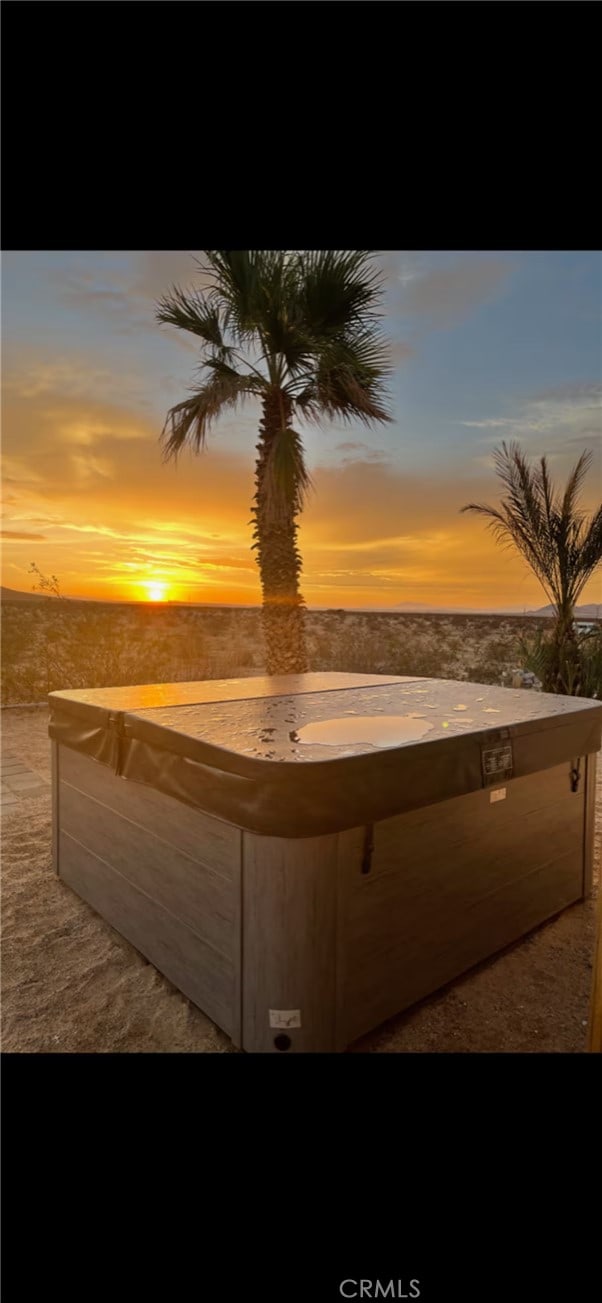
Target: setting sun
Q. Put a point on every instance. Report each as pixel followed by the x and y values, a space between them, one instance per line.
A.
pixel 155 592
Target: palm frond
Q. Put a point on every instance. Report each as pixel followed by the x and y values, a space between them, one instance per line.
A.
pixel 511 529
pixel 544 489
pixel 307 401
pixel 575 483
pixel 218 366
pixel 278 313
pixel 237 287
pixel 546 528
pixel 523 499
pixel 193 313
pixel 587 553
pixel 189 422
pixel 348 388
pixel 338 288
pixel 285 481
pixel 343 397
pixel 349 380
pixel 311 318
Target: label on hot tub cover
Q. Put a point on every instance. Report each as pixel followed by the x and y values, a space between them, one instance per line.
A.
pixel 285 1018
pixel 497 763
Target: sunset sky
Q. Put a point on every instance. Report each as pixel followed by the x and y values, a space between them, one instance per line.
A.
pixel 487 346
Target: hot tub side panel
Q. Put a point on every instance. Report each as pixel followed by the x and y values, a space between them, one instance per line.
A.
pixel 595 1013
pixel 166 877
pixel 289 943
pixel 450 885
pixel 589 826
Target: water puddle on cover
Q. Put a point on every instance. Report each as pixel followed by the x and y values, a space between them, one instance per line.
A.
pixel 377 730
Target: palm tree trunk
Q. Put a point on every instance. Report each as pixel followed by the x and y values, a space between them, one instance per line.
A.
pixel 278 557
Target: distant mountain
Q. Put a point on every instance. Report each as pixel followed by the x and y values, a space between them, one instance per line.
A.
pixel 422 608
pixel 590 611
pixel 13 595
pixel 417 606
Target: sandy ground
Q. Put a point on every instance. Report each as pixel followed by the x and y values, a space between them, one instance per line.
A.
pixel 71 984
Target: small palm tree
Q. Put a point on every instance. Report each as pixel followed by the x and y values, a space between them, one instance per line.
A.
pixel 298 332
pixel 562 548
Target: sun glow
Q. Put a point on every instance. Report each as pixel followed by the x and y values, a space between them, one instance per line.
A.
pixel 155 592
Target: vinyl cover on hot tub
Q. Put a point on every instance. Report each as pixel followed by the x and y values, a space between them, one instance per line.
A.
pixel 306 755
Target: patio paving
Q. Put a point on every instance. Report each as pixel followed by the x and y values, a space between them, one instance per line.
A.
pixel 18 780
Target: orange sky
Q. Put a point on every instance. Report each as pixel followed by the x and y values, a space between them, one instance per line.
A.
pixel 87 497
pixel 109 518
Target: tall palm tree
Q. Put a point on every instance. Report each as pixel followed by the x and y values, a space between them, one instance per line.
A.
pixel 298 332
pixel 549 530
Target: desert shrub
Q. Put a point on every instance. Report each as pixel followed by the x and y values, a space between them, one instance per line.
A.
pixel 245 657
pixel 192 645
pixel 487 673
pixel 498 657
pixel 591 654
pixel 218 622
pixel 353 657
pixel 500 650
pixel 71 648
pixel 366 656
pixel 65 644
pixel 321 652
pixel 579 665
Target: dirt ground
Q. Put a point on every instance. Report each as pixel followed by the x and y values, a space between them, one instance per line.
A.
pixel 71 984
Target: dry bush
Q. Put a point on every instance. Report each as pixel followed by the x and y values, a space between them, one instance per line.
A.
pixel 68 644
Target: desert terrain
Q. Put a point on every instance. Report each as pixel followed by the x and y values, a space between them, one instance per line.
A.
pixel 71 984
pixel 57 643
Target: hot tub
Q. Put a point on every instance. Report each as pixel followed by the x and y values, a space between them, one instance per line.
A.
pixel 306 856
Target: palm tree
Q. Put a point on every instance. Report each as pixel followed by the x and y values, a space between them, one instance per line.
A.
pixel 298 332
pixel 562 548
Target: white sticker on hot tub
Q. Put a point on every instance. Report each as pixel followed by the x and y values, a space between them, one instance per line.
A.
pixel 285 1017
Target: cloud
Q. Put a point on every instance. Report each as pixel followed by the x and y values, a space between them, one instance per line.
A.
pixel 577 392
pixel 53 443
pixel 227 562
pixel 369 504
pixel 399 351
pixel 67 377
pixel 363 450
pixel 93 468
pixel 109 296
pixel 551 421
pixel 88 467
pixel 126 298
pixel 492 423
pixel 156 271
pixel 77 383
pixel 399 268
pixel 445 295
pixel 436 290
pixel 12 533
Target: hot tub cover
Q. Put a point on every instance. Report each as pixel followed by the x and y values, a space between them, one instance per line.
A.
pixel 307 755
